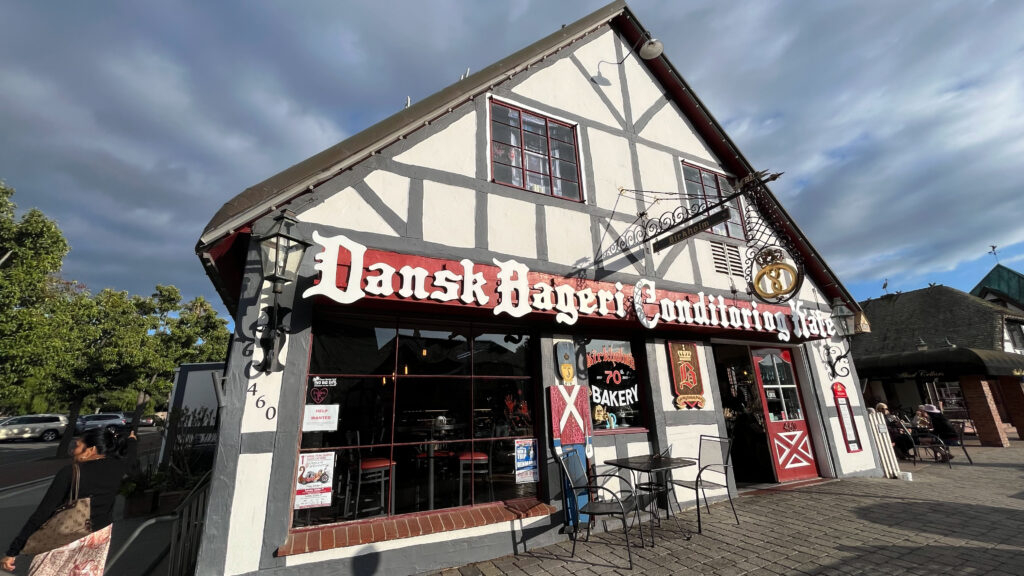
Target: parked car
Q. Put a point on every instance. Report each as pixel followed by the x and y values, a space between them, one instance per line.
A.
pixel 113 421
pixel 147 420
pixel 46 427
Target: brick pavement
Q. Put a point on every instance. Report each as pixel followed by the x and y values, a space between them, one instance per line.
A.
pixel 968 520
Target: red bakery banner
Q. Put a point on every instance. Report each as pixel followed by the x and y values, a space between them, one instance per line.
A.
pixel 687 383
pixel 350 272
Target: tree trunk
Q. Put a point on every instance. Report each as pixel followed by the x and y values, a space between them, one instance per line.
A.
pixel 140 404
pixel 65 440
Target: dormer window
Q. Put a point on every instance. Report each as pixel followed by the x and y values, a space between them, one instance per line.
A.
pixel 1016 335
pixel 534 152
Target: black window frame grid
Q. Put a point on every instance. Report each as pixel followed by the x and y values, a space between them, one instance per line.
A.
pixel 523 150
pixel 721 189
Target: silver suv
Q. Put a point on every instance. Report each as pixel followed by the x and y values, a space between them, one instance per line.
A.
pixel 46 427
pixel 113 421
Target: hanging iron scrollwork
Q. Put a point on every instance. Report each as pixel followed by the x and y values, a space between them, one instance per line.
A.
pixel 775 269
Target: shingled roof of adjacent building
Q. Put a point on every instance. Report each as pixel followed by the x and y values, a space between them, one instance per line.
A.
pixel 936 314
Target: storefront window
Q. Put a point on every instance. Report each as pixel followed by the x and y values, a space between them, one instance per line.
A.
pixel 412 417
pixel 779 388
pixel 614 386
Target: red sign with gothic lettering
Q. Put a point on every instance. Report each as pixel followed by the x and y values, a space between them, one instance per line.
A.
pixel 686 380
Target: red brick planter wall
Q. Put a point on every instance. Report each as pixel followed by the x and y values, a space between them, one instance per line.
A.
pixel 318 538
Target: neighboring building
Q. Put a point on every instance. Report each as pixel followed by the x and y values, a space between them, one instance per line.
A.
pixel 942 346
pixel 470 256
pixel 1005 287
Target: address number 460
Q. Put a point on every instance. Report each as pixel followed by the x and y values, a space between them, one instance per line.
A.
pixel 271 411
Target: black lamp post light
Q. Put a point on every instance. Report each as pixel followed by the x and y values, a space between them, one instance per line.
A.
pixel 281 251
pixel 832 353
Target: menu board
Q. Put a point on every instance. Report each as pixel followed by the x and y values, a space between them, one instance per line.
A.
pixel 314 481
pixel 846 420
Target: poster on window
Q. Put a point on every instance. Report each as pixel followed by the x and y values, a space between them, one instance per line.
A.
pixel 320 418
pixel 527 470
pixel 686 381
pixel 614 394
pixel 315 478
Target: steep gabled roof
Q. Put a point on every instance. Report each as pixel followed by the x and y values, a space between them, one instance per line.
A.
pixel 936 315
pixel 1004 282
pixel 239 212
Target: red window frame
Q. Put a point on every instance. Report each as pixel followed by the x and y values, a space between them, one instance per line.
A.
pixel 710 192
pixel 551 158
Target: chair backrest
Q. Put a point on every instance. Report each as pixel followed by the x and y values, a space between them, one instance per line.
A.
pixel 715 454
pixel 573 468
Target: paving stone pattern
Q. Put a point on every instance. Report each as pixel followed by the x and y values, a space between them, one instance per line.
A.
pixel 968 520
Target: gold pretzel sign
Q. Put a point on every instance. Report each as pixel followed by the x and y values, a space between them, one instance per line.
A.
pixel 775 280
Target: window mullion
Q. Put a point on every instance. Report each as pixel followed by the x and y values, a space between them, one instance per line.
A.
pixel 551 167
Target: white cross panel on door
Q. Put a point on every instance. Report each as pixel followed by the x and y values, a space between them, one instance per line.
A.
pixel 793 449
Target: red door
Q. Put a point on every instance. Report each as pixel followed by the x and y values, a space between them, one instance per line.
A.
pixel 790 445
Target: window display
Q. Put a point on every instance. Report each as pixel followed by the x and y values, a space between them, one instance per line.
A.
pixel 415 416
pixel 614 389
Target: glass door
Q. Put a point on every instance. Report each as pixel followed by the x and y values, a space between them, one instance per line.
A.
pixel 790 444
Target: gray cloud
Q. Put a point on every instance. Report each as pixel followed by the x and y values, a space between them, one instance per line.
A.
pixel 898 124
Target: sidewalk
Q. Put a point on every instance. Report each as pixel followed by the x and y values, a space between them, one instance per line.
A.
pixel 968 520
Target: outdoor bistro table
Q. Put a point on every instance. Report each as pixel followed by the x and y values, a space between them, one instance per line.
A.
pixel 651 465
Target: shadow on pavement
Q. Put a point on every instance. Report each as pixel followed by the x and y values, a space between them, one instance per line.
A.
pixel 933 559
pixel 949 520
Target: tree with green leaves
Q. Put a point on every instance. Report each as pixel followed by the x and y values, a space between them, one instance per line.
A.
pixel 179 333
pixel 32 250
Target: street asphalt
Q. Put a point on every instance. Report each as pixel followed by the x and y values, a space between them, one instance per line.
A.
pixel 968 520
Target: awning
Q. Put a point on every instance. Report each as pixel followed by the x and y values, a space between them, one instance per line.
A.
pixel 941 362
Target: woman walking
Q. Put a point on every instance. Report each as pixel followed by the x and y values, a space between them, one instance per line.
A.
pixel 102 459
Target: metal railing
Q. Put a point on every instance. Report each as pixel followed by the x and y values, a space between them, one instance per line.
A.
pixel 186 533
pixel 187 530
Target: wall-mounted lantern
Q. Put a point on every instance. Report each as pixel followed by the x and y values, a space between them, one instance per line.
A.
pixel 281 251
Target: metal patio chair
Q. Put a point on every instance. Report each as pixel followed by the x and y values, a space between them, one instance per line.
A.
pixel 600 500
pixel 714 460
pixel 926 440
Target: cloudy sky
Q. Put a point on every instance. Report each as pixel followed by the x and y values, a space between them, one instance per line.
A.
pixel 899 124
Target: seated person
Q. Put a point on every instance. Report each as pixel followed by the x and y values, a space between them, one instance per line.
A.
pixel 921 419
pixel 901 441
pixel 941 425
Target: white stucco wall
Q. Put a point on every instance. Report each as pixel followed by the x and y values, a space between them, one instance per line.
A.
pixel 591 55
pixel 449 214
pixel 453 149
pixel 668 127
pixel 613 168
pixel 248 513
pixel 644 90
pixel 511 226
pixel 568 236
pixel 849 462
pixel 563 86
pixel 348 209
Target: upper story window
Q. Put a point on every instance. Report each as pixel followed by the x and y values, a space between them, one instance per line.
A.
pixel 704 186
pixel 534 152
pixel 1016 334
